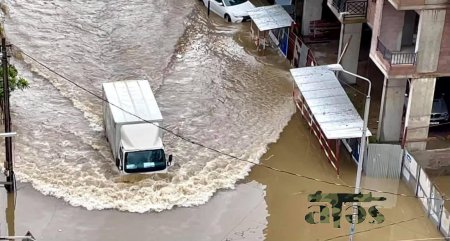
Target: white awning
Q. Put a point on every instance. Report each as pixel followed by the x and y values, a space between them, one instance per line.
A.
pixel 328 102
pixel 270 17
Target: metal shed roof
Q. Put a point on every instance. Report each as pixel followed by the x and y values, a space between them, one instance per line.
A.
pixel 328 102
pixel 270 17
pixel 134 96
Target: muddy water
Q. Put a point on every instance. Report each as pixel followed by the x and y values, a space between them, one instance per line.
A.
pixel 286 196
pixel 443 185
pixel 210 85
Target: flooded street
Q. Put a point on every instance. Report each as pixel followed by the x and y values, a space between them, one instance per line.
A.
pixel 298 151
pixel 212 87
pixel 201 77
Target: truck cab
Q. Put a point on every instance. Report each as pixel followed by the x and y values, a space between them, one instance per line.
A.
pixel 132 122
pixel 139 152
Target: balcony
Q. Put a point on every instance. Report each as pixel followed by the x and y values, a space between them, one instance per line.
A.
pixel 349 10
pixel 406 56
pixel 395 64
pixel 419 4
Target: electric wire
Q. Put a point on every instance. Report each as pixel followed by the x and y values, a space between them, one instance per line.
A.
pixel 379 227
pixel 215 150
pixel 351 87
pixel 424 239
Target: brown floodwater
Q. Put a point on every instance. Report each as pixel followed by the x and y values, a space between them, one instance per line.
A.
pixel 286 196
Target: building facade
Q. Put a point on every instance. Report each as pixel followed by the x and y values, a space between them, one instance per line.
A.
pixel 410 45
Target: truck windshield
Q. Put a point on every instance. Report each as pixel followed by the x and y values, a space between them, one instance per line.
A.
pixel 145 161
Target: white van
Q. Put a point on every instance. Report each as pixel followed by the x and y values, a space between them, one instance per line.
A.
pixel 136 140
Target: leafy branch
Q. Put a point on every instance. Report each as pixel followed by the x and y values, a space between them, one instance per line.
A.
pixel 15 81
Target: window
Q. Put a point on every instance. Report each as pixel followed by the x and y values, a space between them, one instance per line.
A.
pixel 145 161
pixel 234 2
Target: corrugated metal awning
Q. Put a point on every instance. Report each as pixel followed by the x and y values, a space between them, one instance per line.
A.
pixel 328 102
pixel 270 17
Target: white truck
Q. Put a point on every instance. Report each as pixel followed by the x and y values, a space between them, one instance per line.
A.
pixel 136 143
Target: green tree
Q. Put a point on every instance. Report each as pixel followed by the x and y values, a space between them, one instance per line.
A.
pixel 15 81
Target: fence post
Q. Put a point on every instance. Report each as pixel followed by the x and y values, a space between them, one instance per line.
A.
pixel 440 213
pixel 429 200
pixel 417 179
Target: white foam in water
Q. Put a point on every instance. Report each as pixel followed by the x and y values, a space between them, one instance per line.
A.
pixel 213 92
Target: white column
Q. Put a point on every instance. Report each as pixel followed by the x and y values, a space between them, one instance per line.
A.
pixel 420 102
pixel 391 110
pixel 312 10
pixel 431 27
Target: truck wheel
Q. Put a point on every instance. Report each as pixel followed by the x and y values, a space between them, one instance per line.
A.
pixel 117 163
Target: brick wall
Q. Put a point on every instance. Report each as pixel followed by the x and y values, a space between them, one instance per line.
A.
pixel 391 27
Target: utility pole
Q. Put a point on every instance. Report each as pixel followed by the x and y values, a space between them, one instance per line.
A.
pixel 362 147
pixel 7 119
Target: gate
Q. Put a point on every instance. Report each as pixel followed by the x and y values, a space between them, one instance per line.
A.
pixel 383 160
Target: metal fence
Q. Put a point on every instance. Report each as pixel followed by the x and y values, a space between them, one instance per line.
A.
pixel 430 197
pixel 396 57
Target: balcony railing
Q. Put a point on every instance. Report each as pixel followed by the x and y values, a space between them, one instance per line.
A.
pixel 395 58
pixel 351 8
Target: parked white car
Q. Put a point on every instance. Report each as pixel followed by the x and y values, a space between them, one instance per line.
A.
pixel 235 11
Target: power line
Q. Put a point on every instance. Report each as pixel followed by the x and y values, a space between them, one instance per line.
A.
pixel 215 150
pixel 380 227
pixel 353 88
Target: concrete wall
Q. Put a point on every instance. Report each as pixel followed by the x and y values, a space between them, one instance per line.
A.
pixel 391 111
pixel 312 10
pixel 418 114
pixel 392 27
pixel 444 58
pixel 429 38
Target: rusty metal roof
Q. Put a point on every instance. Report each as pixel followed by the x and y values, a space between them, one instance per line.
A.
pixel 328 102
pixel 270 17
